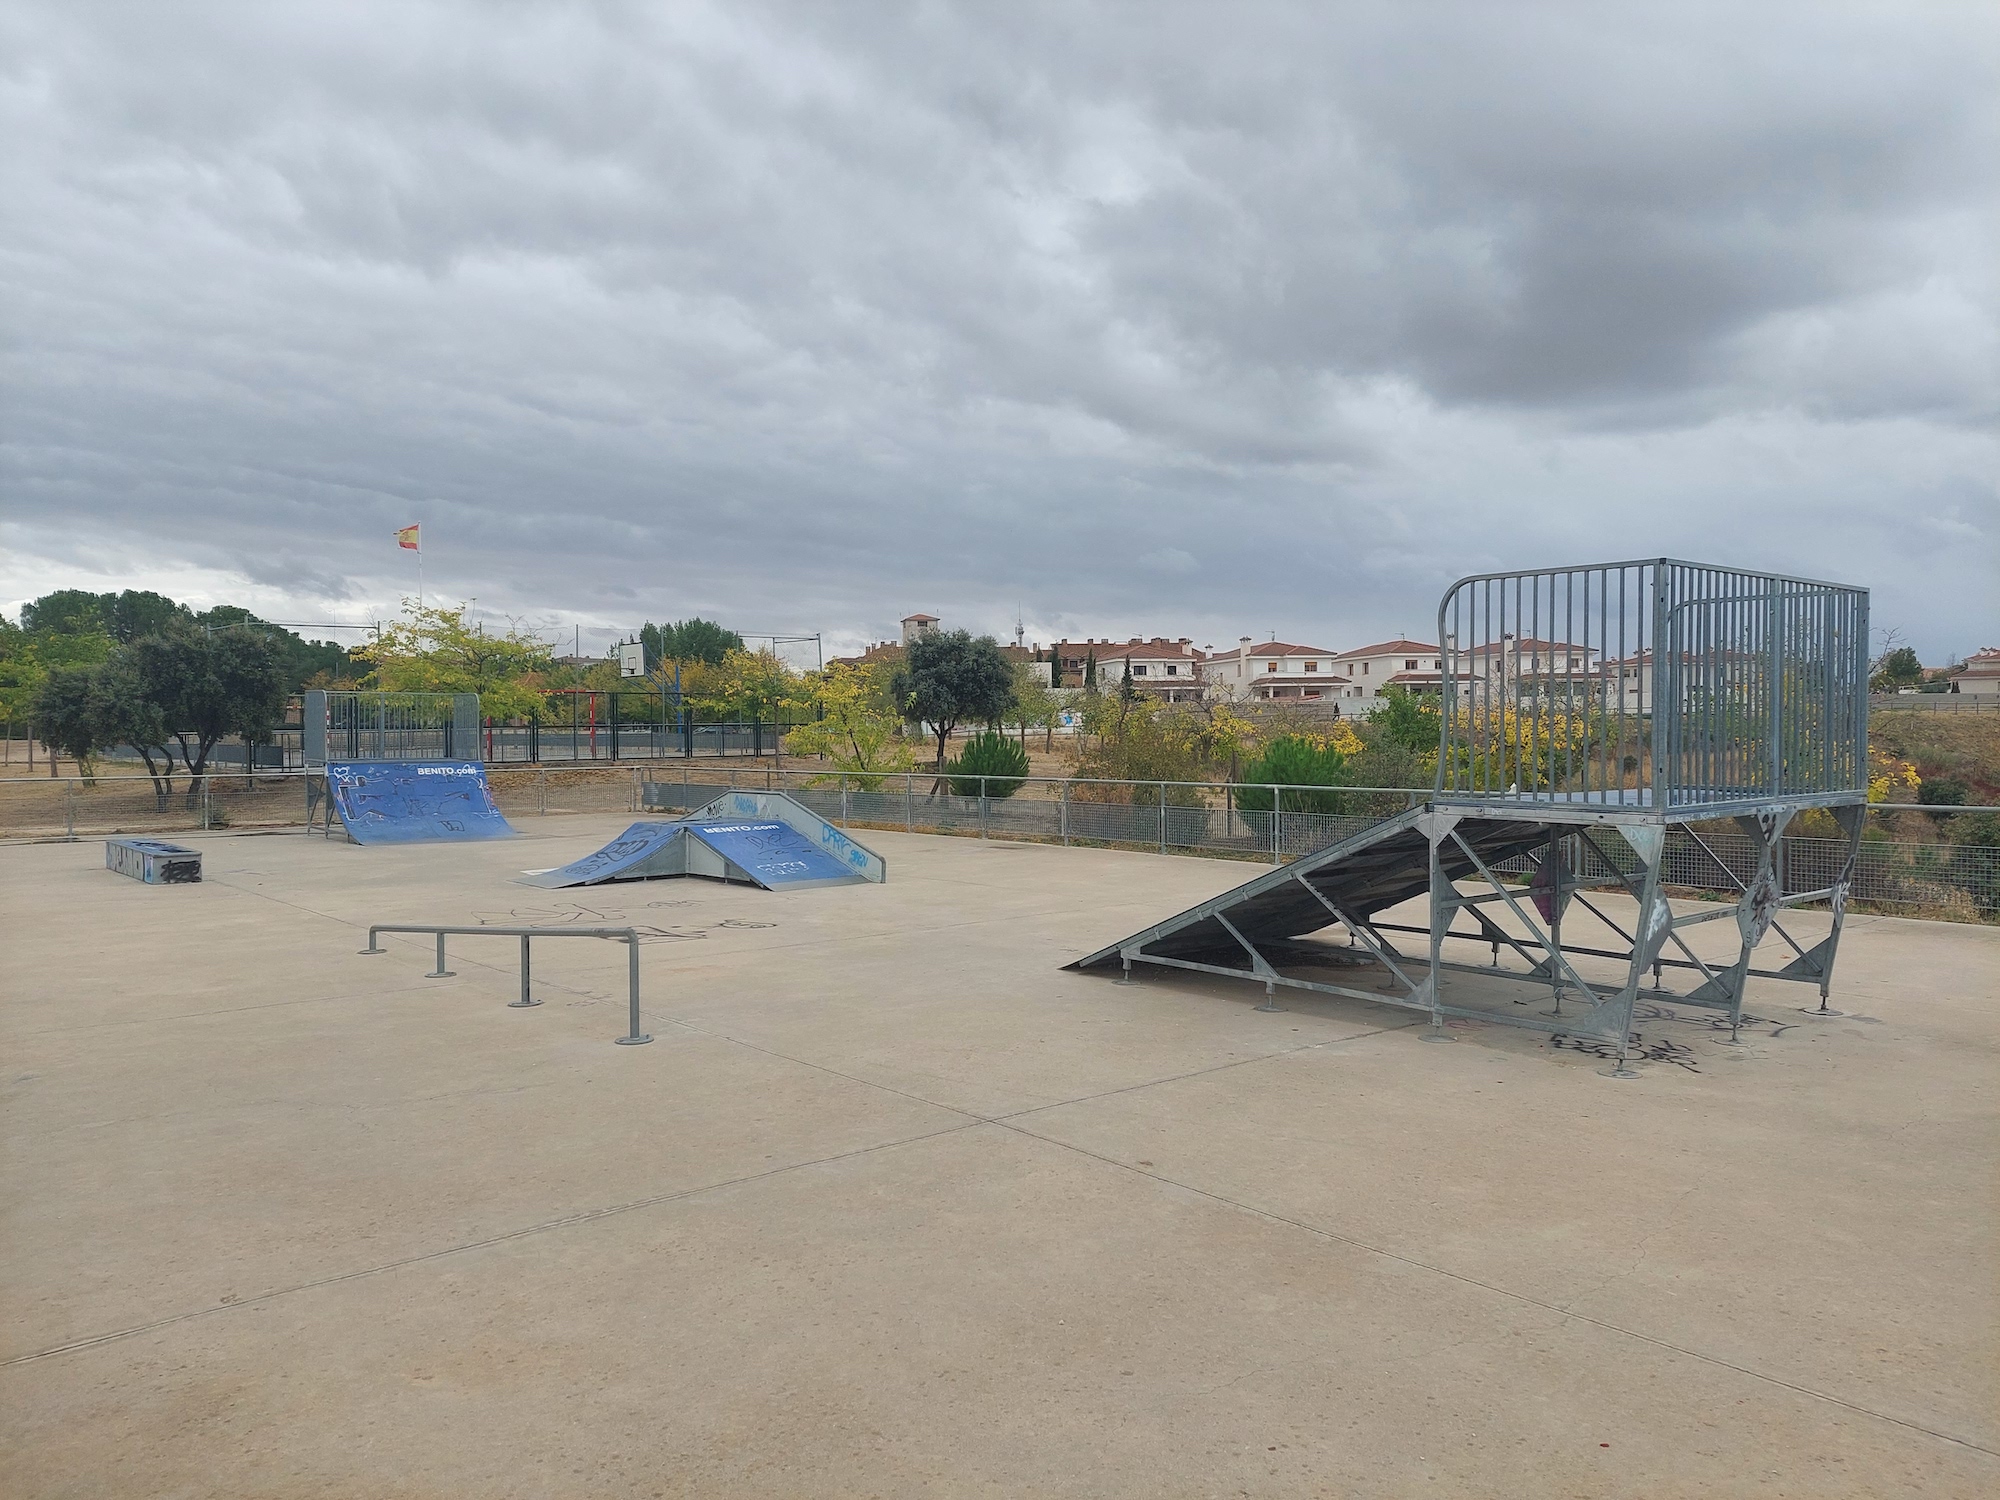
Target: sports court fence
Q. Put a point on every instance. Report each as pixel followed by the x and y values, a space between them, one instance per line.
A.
pixel 1947 879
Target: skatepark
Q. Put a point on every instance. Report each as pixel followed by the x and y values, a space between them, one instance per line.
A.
pixel 894 1203
pixel 980 1164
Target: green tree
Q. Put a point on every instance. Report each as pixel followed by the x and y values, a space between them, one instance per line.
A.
pixel 1399 741
pixel 749 685
pixel 1292 763
pixel 688 640
pixel 858 728
pixel 67 718
pixel 989 764
pixel 140 612
pixel 129 714
pixel 1897 669
pixel 948 678
pixel 302 660
pixel 26 660
pixel 69 612
pixel 1035 705
pixel 432 650
pixel 208 686
pixel 83 711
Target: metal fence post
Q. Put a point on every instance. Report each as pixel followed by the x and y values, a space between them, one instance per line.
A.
pixel 205 813
pixel 843 799
pixel 1277 812
pixel 909 803
pixel 1163 817
pixel 69 810
pixel 982 807
pixel 637 774
pixel 541 791
pixel 1063 815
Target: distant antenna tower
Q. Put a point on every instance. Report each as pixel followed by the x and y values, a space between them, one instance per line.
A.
pixel 1020 630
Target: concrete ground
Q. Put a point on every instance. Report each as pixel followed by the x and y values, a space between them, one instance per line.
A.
pixel 892 1205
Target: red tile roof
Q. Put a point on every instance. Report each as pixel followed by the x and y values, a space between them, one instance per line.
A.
pixel 1281 648
pixel 1391 648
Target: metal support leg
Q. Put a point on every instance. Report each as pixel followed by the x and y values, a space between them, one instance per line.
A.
pixel 1443 910
pixel 1270 997
pixel 1126 976
pixel 634 1037
pixel 526 998
pixel 1852 820
pixel 440 972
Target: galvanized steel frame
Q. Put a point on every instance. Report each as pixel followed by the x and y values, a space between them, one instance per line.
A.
pixel 1737 695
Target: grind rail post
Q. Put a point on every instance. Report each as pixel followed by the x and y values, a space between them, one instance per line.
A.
pixel 626 935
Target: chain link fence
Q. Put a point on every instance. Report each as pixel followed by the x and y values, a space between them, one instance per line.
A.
pixel 1956 881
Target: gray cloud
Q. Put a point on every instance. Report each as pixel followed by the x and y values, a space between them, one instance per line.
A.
pixel 1182 320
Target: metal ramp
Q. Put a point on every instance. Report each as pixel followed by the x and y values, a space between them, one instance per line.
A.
pixel 1593 719
pixel 408 802
pixel 754 838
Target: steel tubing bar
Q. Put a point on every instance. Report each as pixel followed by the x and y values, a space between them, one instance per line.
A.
pixel 626 935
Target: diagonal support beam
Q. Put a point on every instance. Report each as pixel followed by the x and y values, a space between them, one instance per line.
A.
pixel 1355 931
pixel 1555 954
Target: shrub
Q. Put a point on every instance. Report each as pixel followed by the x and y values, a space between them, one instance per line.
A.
pixel 1942 791
pixel 1000 761
pixel 1293 762
pixel 1981 829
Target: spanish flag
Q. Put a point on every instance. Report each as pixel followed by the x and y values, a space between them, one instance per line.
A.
pixel 406 538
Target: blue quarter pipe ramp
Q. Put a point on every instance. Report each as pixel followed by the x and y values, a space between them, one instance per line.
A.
pixel 414 801
pixel 757 838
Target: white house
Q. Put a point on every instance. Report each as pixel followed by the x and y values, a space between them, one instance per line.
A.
pixel 1398 663
pixel 1628 684
pixel 1513 663
pixel 1273 670
pixel 1170 670
pixel 1979 675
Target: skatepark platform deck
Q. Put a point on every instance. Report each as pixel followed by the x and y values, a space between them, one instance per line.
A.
pixel 893 1205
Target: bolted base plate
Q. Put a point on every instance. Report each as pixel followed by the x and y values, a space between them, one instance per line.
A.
pixel 631 1041
pixel 521 1004
pixel 442 974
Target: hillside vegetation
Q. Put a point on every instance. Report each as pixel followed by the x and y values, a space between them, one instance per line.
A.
pixel 1944 747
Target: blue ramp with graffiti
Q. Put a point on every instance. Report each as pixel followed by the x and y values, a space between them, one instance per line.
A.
pixel 645 851
pixel 414 801
pixel 772 854
pixel 860 862
pixel 758 838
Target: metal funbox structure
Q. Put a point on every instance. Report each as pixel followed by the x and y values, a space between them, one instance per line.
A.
pixel 1593 718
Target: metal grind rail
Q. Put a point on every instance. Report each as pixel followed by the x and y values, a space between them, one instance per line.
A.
pixel 626 935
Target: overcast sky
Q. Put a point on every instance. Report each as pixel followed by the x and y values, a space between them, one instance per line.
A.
pixel 1183 320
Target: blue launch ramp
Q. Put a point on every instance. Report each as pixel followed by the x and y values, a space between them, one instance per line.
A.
pixel 644 851
pixel 414 801
pixel 771 854
pixel 757 838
